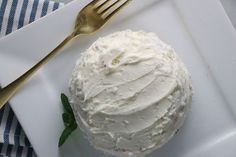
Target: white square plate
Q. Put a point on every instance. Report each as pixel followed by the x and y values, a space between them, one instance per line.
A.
pixel 199 31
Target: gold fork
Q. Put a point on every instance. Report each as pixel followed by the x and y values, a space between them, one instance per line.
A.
pixel 90 19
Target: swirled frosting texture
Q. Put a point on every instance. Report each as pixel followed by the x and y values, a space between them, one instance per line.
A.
pixel 130 93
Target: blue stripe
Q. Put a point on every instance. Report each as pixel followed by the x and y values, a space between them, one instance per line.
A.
pixel 9 149
pixel 11 16
pixel 2 12
pixel 30 152
pixel 27 143
pixel 1 145
pixel 17 134
pixel 45 8
pixel 1 114
pixel 19 151
pixel 22 13
pixel 55 6
pixel 34 10
pixel 8 126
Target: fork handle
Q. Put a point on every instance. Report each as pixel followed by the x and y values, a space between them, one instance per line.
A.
pixel 10 90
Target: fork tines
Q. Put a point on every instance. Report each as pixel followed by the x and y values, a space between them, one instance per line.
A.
pixel 108 8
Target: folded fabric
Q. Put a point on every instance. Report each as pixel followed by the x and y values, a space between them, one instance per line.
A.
pixel 15 14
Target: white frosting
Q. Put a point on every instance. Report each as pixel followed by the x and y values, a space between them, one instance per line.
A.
pixel 130 93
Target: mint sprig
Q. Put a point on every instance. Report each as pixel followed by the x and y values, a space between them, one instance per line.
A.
pixel 68 118
pixel 66 104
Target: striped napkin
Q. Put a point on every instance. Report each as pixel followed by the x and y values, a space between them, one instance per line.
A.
pixel 15 14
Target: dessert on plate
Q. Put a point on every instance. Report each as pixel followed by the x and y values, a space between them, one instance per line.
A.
pixel 130 93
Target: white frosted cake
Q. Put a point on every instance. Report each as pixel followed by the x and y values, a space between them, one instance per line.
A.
pixel 130 93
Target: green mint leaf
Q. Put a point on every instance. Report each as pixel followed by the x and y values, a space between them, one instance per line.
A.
pixel 66 133
pixel 66 104
pixel 68 119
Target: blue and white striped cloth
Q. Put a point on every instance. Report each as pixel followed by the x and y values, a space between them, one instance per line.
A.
pixel 14 14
